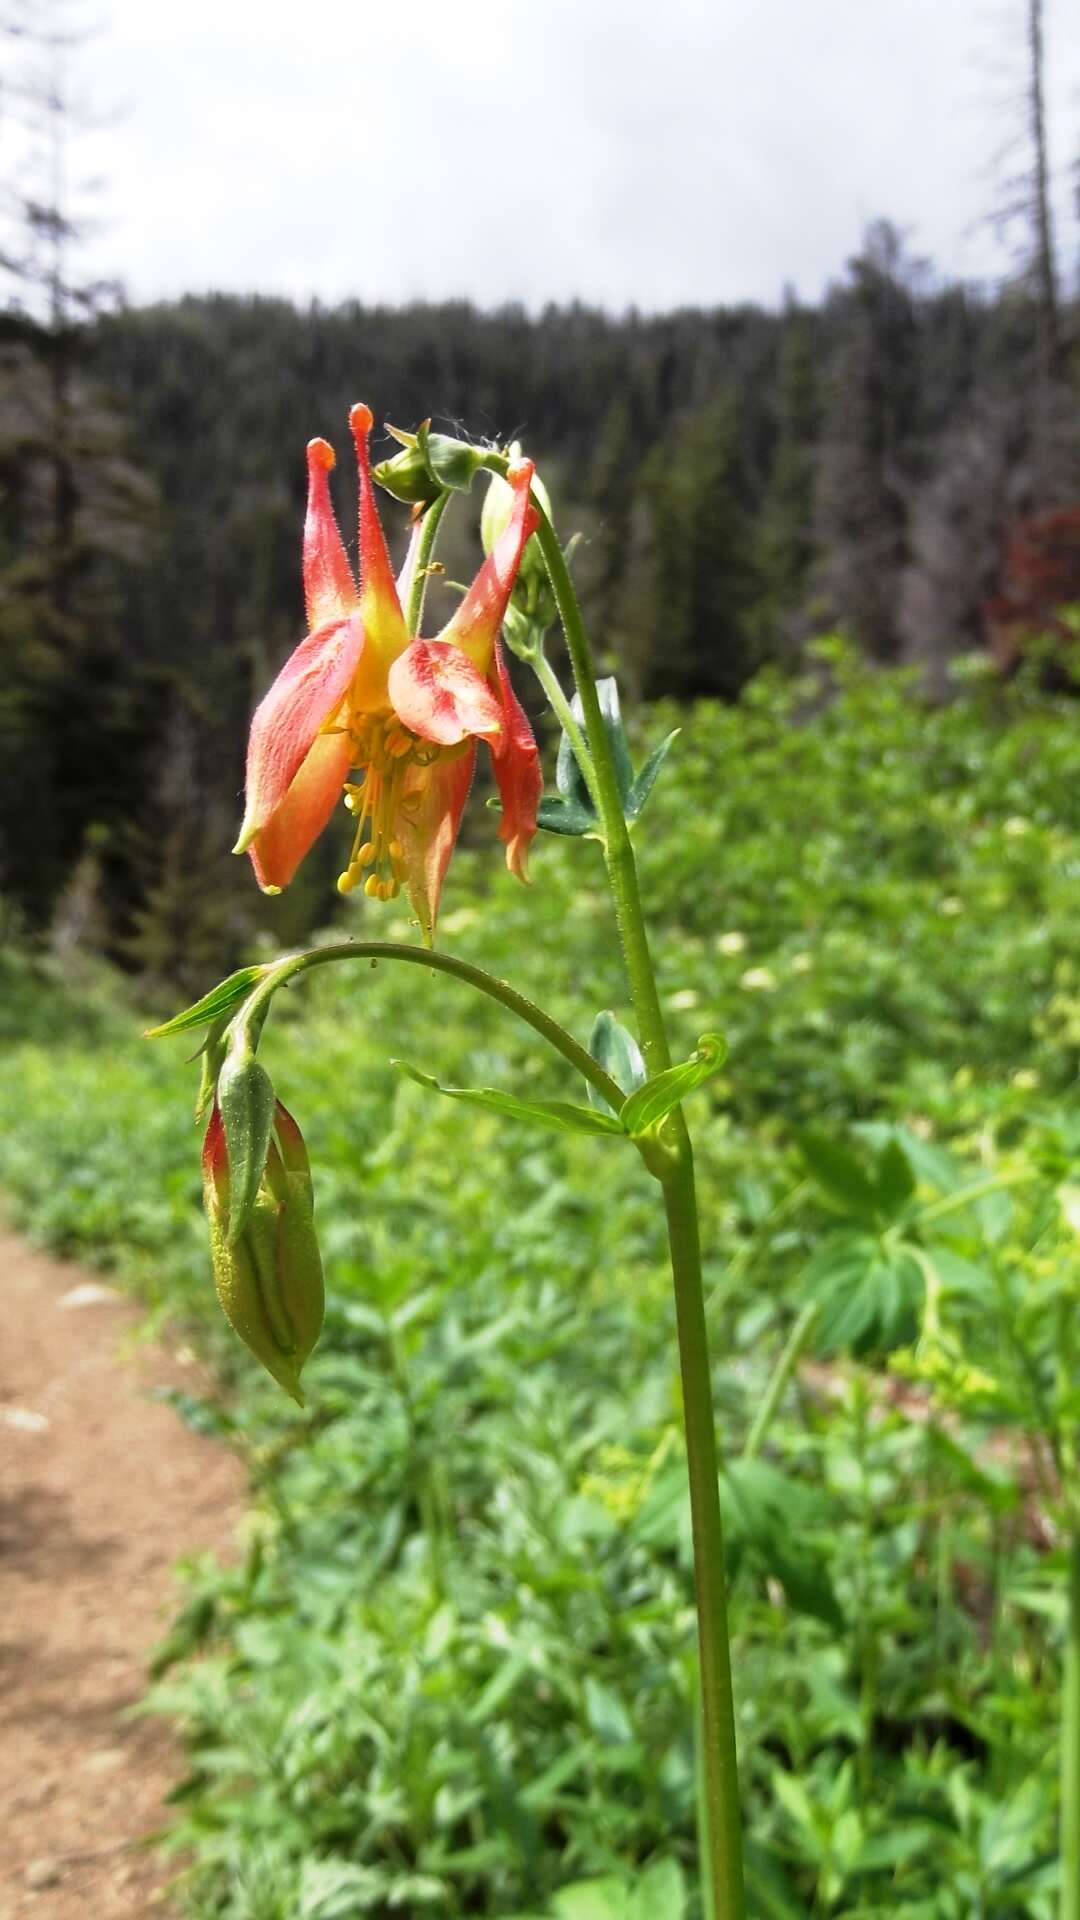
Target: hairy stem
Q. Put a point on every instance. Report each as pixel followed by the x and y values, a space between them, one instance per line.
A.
pixel 722 1868
pixel 429 528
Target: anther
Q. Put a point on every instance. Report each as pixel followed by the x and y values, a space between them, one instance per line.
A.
pixel 346 881
pixel 365 854
pixel 372 886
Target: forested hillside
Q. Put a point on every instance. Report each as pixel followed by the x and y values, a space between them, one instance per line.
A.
pixel 742 478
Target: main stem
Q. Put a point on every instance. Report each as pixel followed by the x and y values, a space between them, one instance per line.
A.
pixel 1070 1743
pixel 723 1867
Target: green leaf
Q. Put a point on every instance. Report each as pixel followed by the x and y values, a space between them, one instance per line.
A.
pixel 614 1048
pixel 220 1000
pixel 870 1299
pixel 660 1894
pixel 571 811
pixel 591 1900
pixel 608 695
pixel 568 817
pixel 560 1116
pixel 607 1715
pixel 773 1517
pixel 895 1179
pixel 844 1185
pixel 645 1109
pixel 646 779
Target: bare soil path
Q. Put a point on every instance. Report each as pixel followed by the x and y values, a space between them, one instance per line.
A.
pixel 101 1489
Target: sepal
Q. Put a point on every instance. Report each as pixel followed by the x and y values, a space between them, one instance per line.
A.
pixel 220 1000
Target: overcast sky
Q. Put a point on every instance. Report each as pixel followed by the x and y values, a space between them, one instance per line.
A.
pixel 681 151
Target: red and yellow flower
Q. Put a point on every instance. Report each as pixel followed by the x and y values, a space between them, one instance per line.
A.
pixel 393 720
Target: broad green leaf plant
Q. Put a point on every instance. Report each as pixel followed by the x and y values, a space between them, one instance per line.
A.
pixel 368 711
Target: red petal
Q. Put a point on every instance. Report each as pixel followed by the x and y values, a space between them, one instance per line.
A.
pixel 215 1162
pixel 305 696
pixel 516 760
pixel 475 626
pixel 279 846
pixel 384 622
pixel 329 587
pixel 439 793
pixel 436 690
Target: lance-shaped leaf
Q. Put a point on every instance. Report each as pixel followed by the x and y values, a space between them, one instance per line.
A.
pixel 570 810
pixel 646 779
pixel 220 1000
pixel 614 1048
pixel 645 1109
pixel 560 1116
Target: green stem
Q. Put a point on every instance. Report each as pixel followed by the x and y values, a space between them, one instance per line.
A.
pixel 619 852
pixel 723 1867
pixel 515 1003
pixel 1070 1744
pixel 978 1190
pixel 781 1374
pixel 429 528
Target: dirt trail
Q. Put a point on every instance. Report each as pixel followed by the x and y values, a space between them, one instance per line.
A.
pixel 101 1489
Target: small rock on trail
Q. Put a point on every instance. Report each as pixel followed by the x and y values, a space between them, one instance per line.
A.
pixel 101 1489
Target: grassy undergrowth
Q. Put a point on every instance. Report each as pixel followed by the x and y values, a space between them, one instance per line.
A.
pixel 452 1672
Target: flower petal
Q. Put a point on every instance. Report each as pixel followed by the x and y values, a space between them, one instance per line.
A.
pixel 305 696
pixel 279 846
pixel 329 588
pixel 436 690
pixel 215 1162
pixel 429 830
pixel 384 622
pixel 516 760
pixel 476 622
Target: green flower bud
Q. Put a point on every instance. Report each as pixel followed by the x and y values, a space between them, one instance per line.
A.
pixel 245 1096
pixel 406 475
pixel 453 463
pixel 498 506
pixel 268 1276
pixel 429 464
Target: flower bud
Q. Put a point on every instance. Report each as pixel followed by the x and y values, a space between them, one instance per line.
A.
pixel 268 1276
pixel 453 463
pixel 245 1097
pixel 498 506
pixel 406 475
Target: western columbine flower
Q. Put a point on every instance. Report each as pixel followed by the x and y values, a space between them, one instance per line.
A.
pixel 360 693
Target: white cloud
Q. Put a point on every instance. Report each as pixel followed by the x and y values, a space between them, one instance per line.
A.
pixel 659 154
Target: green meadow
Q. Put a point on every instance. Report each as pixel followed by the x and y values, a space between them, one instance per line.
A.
pixel 451 1669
